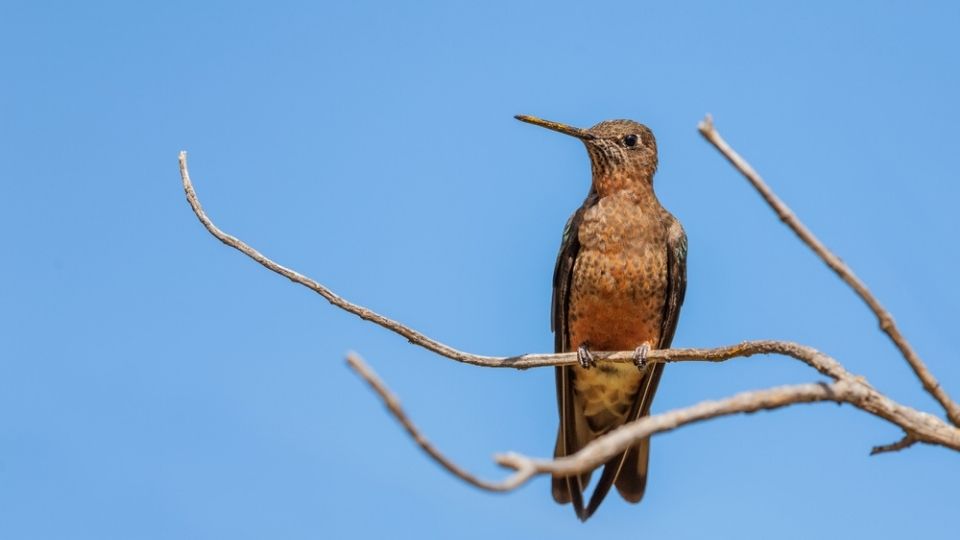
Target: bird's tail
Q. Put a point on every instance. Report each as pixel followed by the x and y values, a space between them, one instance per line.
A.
pixel 628 471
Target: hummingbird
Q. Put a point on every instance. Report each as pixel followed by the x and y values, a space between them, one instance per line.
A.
pixel 618 284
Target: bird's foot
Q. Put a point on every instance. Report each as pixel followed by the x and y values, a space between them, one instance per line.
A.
pixel 585 357
pixel 640 356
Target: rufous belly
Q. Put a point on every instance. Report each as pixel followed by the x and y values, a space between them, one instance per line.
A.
pixel 616 304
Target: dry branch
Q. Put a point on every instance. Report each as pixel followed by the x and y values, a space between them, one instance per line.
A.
pixel 847 388
pixel 807 354
pixel 889 327
pixel 393 405
pixel 594 454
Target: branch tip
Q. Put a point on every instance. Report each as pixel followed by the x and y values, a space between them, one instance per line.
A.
pixel 706 124
pixel 906 442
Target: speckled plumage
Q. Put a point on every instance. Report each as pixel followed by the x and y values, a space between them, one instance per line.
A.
pixel 619 282
pixel 617 295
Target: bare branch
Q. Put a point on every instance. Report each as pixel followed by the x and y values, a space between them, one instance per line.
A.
pixel 921 426
pixel 603 448
pixel 786 215
pixel 412 335
pixel 393 405
pixel 906 442
pixel 856 391
pixel 808 354
pixel 812 357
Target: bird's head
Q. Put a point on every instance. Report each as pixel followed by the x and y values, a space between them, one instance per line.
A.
pixel 623 153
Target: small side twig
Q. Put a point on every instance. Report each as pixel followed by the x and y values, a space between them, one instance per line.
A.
pixel 906 442
pixel 887 324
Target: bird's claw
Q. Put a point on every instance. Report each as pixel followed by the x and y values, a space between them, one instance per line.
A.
pixel 640 356
pixel 585 357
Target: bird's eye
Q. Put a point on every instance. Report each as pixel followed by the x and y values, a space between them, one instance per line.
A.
pixel 631 140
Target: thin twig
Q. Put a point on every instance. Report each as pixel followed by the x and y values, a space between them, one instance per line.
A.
pixel 393 405
pixel 930 383
pixel 412 335
pixel 906 442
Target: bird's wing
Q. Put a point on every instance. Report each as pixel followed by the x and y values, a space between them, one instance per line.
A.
pixel 628 471
pixel 567 489
pixel 563 272
pixel 676 281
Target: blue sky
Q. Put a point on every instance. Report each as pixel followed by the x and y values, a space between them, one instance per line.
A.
pixel 155 384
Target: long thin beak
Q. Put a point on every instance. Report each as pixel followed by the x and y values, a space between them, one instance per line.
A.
pixel 556 126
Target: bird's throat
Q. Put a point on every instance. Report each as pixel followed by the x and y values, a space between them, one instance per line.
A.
pixel 638 185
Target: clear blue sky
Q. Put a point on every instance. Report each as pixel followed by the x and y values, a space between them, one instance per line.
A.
pixel 156 384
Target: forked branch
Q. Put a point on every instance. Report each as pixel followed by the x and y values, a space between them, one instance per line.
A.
pixel 887 324
pixel 846 388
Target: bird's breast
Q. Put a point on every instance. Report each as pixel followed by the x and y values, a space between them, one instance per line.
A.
pixel 619 281
pixel 617 298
